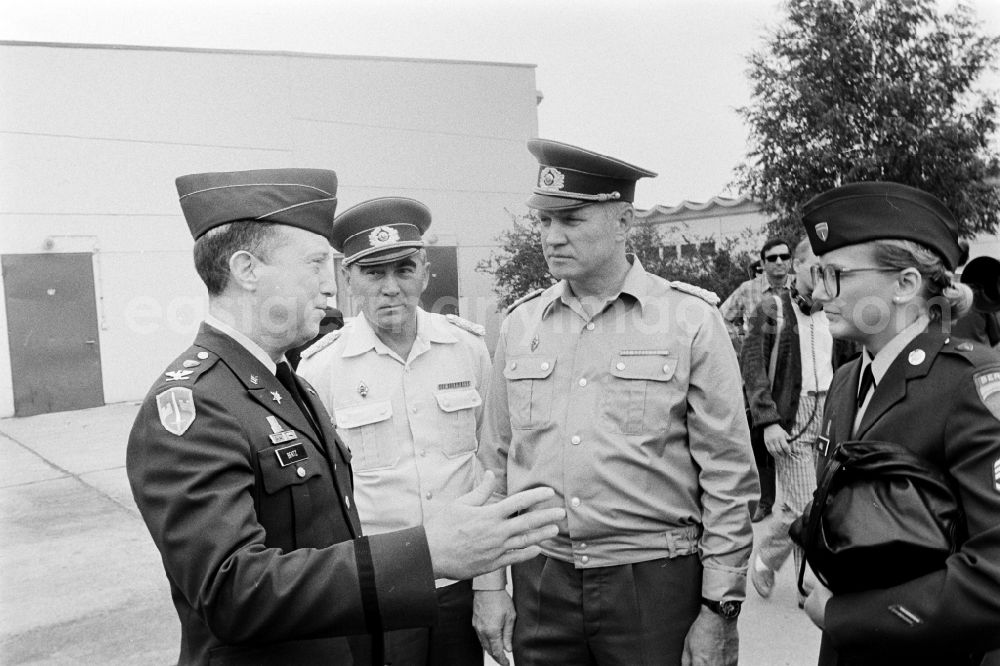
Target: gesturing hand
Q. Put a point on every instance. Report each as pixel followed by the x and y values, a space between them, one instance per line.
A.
pixel 470 537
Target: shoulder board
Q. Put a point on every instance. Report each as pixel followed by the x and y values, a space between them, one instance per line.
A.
pixel 466 325
pixel 188 367
pixel 321 344
pixel 703 294
pixel 523 299
pixel 975 352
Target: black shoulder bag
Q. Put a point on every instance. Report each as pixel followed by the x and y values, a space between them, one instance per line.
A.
pixel 880 516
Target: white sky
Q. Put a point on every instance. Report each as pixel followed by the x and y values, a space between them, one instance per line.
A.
pixel 653 82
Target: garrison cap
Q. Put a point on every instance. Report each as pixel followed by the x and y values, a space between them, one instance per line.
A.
pixel 571 177
pixel 862 212
pixel 304 198
pixel 380 230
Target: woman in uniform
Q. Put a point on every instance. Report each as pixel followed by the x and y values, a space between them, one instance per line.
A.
pixel 885 278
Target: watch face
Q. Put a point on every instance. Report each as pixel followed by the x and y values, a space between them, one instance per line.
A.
pixel 729 609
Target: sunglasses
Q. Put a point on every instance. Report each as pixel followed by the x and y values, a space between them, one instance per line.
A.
pixel 830 275
pixel 772 258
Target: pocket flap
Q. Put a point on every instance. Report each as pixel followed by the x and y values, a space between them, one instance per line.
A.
pixel 653 367
pixel 363 414
pixel 454 400
pixel 529 367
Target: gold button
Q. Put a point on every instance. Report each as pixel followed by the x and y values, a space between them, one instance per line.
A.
pixel 620 366
pixel 666 368
pixel 590 326
pixel 583 546
pixel 203 355
pixel 575 439
pixel 575 502
pixel 301 472
pixel 583 381
pixel 513 365
pixel 584 559
pixel 545 366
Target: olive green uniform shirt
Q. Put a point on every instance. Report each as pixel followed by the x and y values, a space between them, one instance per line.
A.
pixel 635 417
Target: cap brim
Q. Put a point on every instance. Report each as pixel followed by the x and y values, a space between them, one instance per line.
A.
pixel 385 256
pixel 544 202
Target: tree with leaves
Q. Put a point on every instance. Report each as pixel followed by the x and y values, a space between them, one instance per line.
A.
pixel 848 91
pixel 519 267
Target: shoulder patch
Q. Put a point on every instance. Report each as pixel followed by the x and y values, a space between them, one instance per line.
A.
pixel 988 387
pixel 522 300
pixel 466 325
pixel 321 344
pixel 176 409
pixel 704 294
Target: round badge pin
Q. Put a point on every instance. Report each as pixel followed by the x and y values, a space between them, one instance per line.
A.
pixel 916 357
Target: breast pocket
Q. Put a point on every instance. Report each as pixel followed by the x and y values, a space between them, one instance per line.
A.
pixel 529 390
pixel 367 429
pixel 640 392
pixel 457 420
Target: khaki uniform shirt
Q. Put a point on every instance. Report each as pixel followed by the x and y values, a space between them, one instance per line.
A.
pixel 635 417
pixel 411 424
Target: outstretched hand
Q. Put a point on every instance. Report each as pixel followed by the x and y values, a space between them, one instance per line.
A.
pixel 470 537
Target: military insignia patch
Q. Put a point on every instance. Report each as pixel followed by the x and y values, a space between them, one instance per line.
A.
pixel 178 375
pixel 822 231
pixel 988 387
pixel 176 408
pixel 551 178
pixel 383 236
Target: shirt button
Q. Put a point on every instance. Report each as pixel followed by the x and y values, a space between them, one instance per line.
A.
pixel 429 494
pixel 582 546
pixel 545 366
pixel 513 365
pixel 413 409
pixel 666 368
pixel 575 502
pixel 620 366
pixel 584 559
pixel 583 381
pixel 590 326
pixel 301 471
pixel 575 439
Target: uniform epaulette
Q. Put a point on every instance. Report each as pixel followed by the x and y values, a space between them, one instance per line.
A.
pixel 704 294
pixel 321 344
pixel 976 352
pixel 188 367
pixel 522 300
pixel 466 325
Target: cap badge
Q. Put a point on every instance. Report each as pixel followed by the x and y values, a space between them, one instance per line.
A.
pixel 916 357
pixel 383 236
pixel 551 178
pixel 822 230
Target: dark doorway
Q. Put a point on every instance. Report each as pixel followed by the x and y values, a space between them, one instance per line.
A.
pixel 441 295
pixel 55 353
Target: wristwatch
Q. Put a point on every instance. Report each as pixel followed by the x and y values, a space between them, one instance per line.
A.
pixel 727 609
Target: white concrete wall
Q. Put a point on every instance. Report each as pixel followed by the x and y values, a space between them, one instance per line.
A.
pixel 92 139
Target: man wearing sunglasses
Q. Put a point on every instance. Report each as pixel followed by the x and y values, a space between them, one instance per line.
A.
pixel 776 279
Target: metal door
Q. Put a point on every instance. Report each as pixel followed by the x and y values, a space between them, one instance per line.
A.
pixel 55 353
pixel 441 295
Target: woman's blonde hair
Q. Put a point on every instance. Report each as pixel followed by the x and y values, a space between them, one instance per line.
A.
pixel 947 298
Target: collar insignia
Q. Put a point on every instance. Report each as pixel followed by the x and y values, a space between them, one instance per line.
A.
pixel 276 397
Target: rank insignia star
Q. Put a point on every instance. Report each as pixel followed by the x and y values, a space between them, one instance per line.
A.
pixel 178 375
pixel 276 397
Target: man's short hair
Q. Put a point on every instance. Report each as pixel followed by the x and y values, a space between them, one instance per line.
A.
pixel 774 241
pixel 213 250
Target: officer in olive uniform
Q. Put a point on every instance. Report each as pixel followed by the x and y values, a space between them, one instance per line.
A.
pixel 405 388
pixel 622 391
pixel 935 394
pixel 240 478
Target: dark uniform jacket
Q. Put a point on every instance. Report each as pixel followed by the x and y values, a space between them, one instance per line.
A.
pixel 256 525
pixel 940 398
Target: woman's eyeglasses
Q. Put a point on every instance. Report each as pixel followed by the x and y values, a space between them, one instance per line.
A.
pixel 831 276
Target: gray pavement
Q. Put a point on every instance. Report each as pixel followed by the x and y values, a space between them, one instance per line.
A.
pixel 81 582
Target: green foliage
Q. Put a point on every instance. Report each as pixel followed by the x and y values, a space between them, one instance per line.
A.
pixel 519 267
pixel 847 91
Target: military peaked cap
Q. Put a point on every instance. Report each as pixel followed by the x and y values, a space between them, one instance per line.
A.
pixel 304 198
pixel 862 212
pixel 380 230
pixel 571 177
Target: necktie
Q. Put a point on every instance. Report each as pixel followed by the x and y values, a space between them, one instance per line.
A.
pixel 286 377
pixel 867 382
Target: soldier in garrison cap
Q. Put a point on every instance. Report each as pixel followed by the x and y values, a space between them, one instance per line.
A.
pixel 622 391
pixel 405 387
pixel 242 480
pixel 885 280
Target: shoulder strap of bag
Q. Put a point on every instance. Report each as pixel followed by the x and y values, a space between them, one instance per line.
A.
pixel 779 323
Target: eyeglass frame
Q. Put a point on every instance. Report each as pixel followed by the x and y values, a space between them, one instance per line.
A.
pixel 817 272
pixel 774 258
